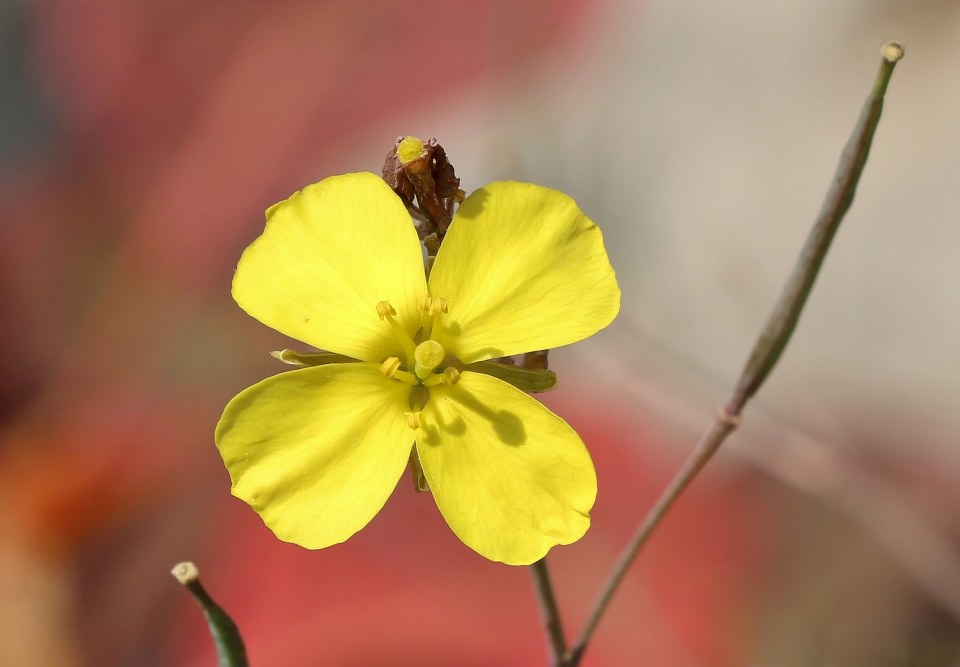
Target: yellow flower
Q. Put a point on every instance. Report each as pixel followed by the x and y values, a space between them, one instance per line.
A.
pixel 317 451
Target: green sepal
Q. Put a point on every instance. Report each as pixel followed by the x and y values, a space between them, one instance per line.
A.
pixel 319 359
pixel 532 380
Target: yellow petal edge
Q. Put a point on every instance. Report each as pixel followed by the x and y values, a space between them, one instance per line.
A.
pixel 327 256
pixel 317 451
pixel 510 478
pixel 522 268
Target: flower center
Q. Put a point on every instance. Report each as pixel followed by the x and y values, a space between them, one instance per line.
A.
pixel 423 364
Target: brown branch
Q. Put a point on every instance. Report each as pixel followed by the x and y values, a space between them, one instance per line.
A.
pixel 772 340
pixel 549 612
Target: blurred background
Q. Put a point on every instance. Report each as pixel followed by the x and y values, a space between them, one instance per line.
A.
pixel 140 142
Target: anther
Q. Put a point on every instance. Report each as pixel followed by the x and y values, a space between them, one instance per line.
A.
pixel 449 377
pixel 433 307
pixel 390 366
pixel 438 305
pixel 413 419
pixel 384 309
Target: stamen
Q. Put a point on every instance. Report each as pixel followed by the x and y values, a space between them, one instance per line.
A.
pixel 384 308
pixel 449 377
pixel 391 368
pixel 428 355
pixel 436 306
pixel 387 312
pixel 413 419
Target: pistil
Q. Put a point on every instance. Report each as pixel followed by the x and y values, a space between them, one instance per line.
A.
pixel 428 355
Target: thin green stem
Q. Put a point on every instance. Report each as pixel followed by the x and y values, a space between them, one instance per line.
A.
pixel 549 612
pixel 771 342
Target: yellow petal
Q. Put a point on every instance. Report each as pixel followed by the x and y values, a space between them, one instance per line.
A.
pixel 510 477
pixel 317 451
pixel 522 269
pixel 328 255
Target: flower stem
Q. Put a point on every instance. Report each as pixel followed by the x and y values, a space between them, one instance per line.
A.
pixel 550 612
pixel 773 338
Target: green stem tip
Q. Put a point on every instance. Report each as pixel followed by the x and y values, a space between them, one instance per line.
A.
pixel 230 649
pixel 892 51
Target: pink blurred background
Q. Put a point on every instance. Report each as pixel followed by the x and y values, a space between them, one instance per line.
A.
pixel 141 142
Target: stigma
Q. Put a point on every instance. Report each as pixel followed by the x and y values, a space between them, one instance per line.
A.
pixel 427 356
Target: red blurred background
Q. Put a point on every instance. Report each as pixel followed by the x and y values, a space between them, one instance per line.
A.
pixel 141 143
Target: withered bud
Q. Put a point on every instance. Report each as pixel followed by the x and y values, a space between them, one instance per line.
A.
pixel 422 176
